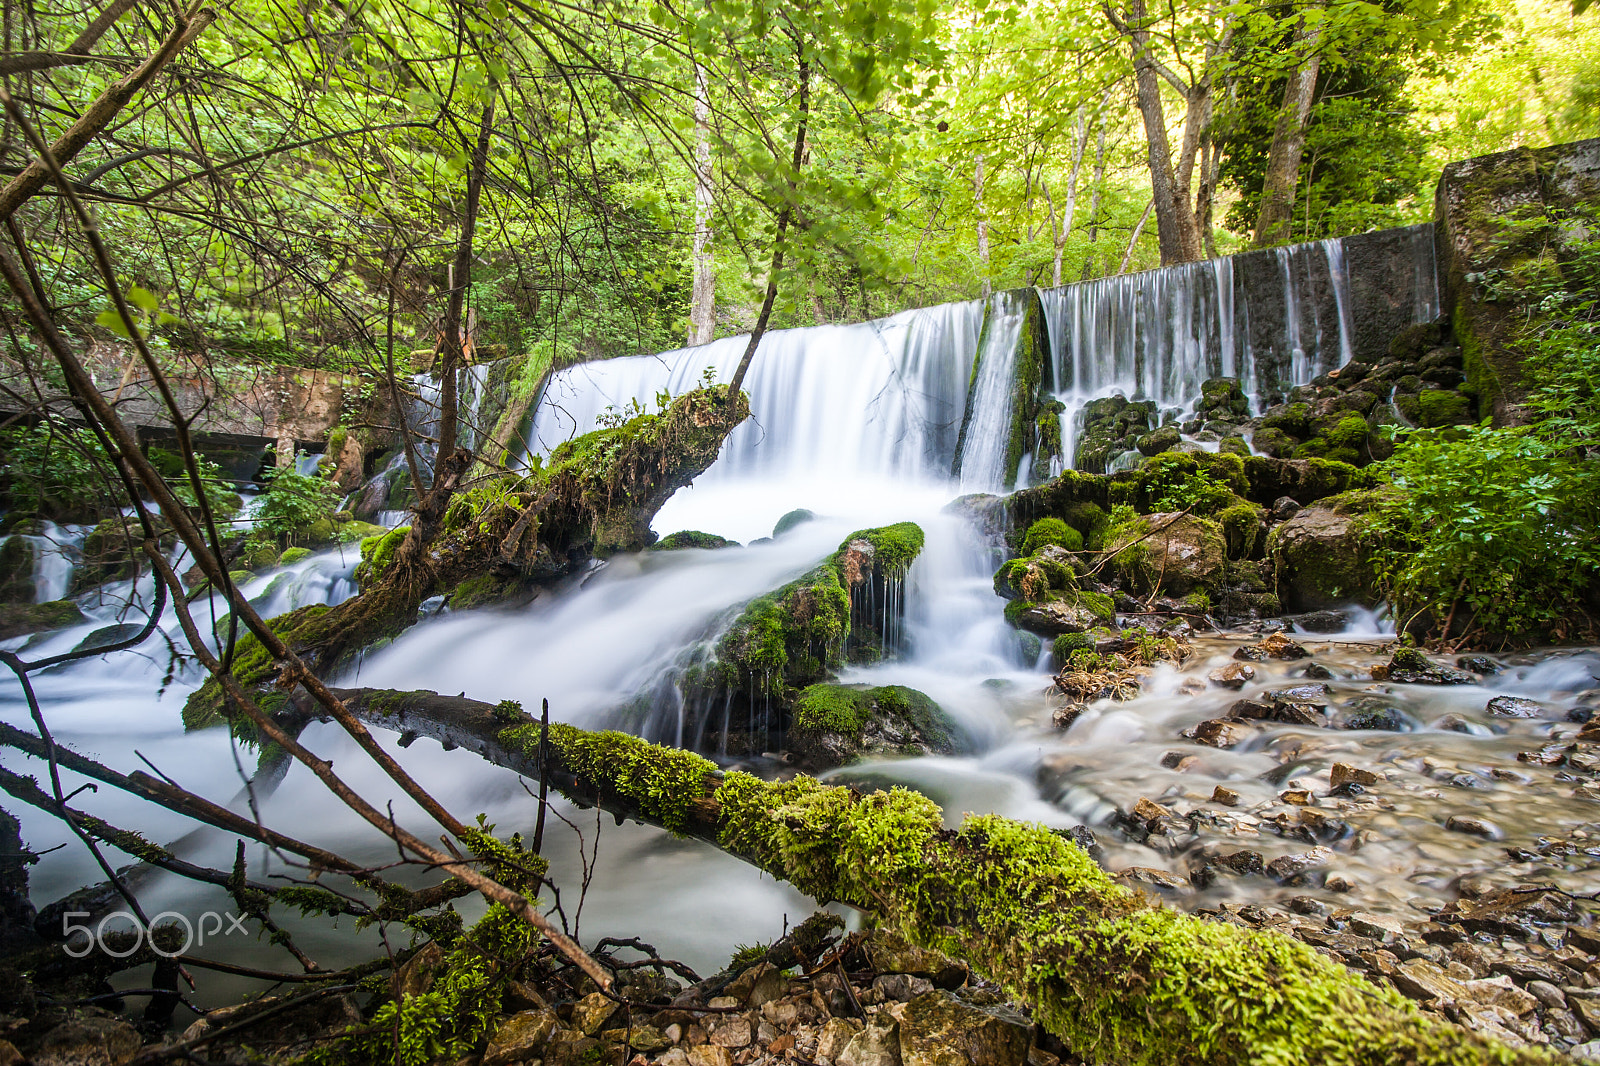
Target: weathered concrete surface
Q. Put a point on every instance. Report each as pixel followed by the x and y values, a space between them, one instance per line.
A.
pixel 1505 224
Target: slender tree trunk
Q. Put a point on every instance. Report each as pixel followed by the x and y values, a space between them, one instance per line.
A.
pixel 785 213
pixel 1133 241
pixel 451 356
pixel 703 302
pixel 1080 141
pixel 1094 201
pixel 983 225
pixel 1275 223
pixel 1175 222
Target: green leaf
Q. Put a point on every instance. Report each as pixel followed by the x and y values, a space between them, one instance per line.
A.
pixel 111 319
pixel 143 299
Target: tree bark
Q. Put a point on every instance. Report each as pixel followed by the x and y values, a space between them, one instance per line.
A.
pixel 1133 240
pixel 1094 201
pixel 452 355
pixel 1080 141
pixel 983 227
pixel 106 107
pixel 785 214
pixel 1275 221
pixel 1116 976
pixel 703 301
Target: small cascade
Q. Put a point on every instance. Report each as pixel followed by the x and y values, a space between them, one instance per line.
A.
pixel 422 414
pixel 54 551
pixel 981 463
pixel 1272 319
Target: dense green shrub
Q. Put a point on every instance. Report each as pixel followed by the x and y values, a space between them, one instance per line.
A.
pixel 294 502
pixel 54 471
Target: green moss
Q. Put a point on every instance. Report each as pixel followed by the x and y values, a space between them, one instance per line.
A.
pixel 253 667
pixel 1117 978
pixel 1242 529
pixel 832 709
pixel 478 591
pixel 798 516
pixel 1440 407
pixel 1294 420
pixel 336 441
pixel 1067 643
pixel 661 782
pixel 894 547
pixel 377 552
pixel 291 556
pixel 691 538
pixel 1051 531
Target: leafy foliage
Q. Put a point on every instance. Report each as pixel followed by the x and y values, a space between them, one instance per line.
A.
pixel 54 471
pixel 294 502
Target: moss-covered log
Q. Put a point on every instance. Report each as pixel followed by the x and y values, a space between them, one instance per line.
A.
pixel 1117 977
pixel 595 497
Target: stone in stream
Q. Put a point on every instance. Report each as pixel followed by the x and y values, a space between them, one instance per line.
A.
pixel 1317 672
pixel 1513 707
pixel 1155 878
pixel 1221 732
pixel 1271 646
pixel 1225 796
pixel 1291 869
pixel 1410 667
pixel 1233 676
pixel 1368 713
pixel 1344 773
pixel 1478 664
pixel 943 1029
pixel 1460 823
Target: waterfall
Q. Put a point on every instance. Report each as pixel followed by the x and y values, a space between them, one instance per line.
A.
pixel 987 433
pixel 1273 319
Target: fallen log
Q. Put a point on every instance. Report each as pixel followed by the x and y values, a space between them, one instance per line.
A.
pixel 1116 976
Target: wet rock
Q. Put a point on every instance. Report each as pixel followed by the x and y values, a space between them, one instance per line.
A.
pixel 1379 927
pixel 1376 716
pixel 890 953
pixel 941 1029
pixel 1427 982
pixel 1412 667
pixel 1152 876
pixel 1478 664
pixel 836 1036
pixel 797 517
pixel 1271 646
pixel 1319 562
pixel 1344 773
pixel 1320 621
pixel 520 1036
pixel 106 636
pixel 1316 671
pixel 1510 912
pixel 1298 797
pixel 590 1014
pixel 1070 613
pixel 1453 723
pixel 1277 710
pixel 876 1045
pixel 1458 823
pixel 1221 733
pixel 1206 867
pixel 1225 796
pixel 1513 707
pixel 901 986
pixel 20 619
pixel 758 985
pixel 1235 675
pixel 1288 869
pixel 1313 695
pixel 1285 508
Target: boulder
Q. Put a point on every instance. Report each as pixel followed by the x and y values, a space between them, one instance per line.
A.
pixel 891 953
pixel 19 619
pixel 876 1045
pixel 1179 553
pixel 837 724
pixel 1070 612
pixel 521 1036
pixel 942 1029
pixel 1409 666
pixel 1320 562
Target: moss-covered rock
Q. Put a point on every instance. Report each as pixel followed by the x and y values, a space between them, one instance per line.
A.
pixel 798 516
pixel 291 556
pixel 1051 531
pixel 1440 407
pixel 1320 562
pixel 837 724
pixel 1244 528
pixel 16 571
pixel 692 538
pixel 1068 611
pixel 19 619
pixel 794 636
pixel 1173 552
pixel 1159 440
pixel 1111 426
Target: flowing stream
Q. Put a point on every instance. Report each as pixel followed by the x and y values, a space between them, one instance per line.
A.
pixel 860 424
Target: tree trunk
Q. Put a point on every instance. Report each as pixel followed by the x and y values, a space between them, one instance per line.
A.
pixel 1175 225
pixel 1080 141
pixel 785 214
pixel 1116 976
pixel 703 301
pixel 1099 188
pixel 983 226
pixel 452 356
pixel 1275 222
pixel 1133 241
